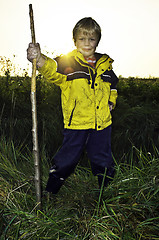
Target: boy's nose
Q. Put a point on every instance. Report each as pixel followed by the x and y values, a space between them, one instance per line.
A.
pixel 86 42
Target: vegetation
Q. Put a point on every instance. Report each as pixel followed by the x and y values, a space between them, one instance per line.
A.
pixel 136 118
pixel 126 209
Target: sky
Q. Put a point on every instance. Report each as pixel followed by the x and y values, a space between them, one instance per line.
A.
pixel 130 31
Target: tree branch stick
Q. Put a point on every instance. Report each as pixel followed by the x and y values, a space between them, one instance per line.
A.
pixel 34 116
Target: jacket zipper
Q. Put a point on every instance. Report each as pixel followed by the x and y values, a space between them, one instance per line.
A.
pixel 71 116
pixel 93 76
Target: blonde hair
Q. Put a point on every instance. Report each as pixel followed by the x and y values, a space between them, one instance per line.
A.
pixel 87 25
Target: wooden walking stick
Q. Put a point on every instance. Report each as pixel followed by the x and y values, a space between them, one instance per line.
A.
pixel 34 116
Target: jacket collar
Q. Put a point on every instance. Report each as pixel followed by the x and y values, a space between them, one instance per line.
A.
pixel 101 58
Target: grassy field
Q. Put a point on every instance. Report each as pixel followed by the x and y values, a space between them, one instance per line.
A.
pixel 127 209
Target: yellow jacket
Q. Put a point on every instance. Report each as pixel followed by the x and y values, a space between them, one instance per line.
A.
pixel 85 91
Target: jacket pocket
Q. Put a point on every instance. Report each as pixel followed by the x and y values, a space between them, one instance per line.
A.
pixel 71 116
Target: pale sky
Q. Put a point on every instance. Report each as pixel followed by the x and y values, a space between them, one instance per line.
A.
pixel 130 30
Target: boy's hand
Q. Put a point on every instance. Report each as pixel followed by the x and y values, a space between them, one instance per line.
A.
pixel 111 106
pixel 33 52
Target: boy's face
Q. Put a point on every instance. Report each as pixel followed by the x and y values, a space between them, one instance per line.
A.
pixel 86 43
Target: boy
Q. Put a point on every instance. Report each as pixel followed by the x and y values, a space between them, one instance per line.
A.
pixel 88 94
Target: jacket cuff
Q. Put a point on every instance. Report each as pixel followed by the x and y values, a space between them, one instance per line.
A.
pixel 49 68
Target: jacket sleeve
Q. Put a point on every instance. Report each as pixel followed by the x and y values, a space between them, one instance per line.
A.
pixel 49 71
pixel 113 93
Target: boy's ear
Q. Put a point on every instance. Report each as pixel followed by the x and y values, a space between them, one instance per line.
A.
pixel 74 43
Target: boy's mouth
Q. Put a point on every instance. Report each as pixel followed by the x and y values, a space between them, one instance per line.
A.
pixel 86 49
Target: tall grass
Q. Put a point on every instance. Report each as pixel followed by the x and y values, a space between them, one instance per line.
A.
pixel 126 209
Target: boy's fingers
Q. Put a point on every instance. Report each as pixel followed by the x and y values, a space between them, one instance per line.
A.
pixel 37 45
pixel 31 45
pixel 33 51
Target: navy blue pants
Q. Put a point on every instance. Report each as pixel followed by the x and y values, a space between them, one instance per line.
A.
pixel 98 147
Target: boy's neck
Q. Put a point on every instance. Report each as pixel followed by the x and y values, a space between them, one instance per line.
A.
pixel 91 60
pixel 92 57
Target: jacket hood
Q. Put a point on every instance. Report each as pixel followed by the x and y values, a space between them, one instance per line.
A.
pixel 102 57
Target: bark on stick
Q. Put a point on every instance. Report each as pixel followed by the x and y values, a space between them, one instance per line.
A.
pixel 34 117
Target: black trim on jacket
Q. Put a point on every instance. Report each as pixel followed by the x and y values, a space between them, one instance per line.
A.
pixel 74 70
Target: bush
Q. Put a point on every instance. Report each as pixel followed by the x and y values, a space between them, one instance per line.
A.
pixel 135 119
